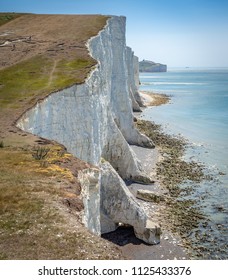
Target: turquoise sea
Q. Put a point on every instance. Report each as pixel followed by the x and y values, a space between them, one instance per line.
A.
pixel 198 111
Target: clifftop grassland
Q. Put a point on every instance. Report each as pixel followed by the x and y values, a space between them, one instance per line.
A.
pixel 40 201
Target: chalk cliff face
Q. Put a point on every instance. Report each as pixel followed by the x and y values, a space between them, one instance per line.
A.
pixel 133 79
pixel 94 121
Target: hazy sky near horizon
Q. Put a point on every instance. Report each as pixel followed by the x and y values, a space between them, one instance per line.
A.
pixel 181 33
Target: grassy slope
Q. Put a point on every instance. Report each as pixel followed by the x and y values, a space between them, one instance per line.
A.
pixel 35 74
pixel 35 222
pixel 44 73
pixel 6 17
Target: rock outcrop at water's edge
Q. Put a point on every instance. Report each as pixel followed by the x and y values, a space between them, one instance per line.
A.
pixel 94 121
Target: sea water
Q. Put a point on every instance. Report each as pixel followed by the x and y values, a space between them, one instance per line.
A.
pixel 198 111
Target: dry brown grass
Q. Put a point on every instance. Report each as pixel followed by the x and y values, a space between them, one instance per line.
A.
pixel 40 203
pixel 35 222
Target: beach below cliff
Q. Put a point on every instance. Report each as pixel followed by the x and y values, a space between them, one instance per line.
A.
pixel 177 214
pixel 153 99
pixel 171 244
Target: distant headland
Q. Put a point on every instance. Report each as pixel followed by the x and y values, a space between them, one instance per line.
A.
pixel 150 66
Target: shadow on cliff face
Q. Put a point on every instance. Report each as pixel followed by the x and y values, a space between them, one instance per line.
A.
pixel 122 236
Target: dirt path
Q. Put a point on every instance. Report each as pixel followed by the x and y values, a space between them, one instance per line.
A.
pixel 52 73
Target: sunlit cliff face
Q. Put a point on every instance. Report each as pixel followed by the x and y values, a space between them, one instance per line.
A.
pixel 94 121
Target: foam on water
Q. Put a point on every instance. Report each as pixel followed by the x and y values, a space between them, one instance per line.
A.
pixel 164 83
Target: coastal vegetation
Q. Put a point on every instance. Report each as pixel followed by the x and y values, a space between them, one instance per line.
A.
pixel 6 17
pixel 40 200
pixel 39 78
pixel 150 66
pixel 40 207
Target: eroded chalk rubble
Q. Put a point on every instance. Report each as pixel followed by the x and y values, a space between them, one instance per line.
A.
pixel 94 121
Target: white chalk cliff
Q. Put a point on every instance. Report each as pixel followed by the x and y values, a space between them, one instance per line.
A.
pixel 94 121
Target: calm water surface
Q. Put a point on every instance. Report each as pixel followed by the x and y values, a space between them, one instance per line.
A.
pixel 199 111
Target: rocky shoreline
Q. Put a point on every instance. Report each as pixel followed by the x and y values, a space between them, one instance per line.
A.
pixel 170 246
pixel 176 214
pixel 154 99
pixel 179 178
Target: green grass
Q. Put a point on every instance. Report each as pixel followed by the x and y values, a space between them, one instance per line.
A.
pixel 74 64
pixel 70 72
pixel 22 80
pixel 6 17
pixel 30 78
pixel 40 75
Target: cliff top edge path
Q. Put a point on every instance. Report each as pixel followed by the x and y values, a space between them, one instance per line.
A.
pixel 39 188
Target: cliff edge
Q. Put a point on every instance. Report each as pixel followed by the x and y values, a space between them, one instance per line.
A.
pixel 81 102
pixel 94 121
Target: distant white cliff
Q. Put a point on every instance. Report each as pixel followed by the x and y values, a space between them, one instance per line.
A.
pixel 94 121
pixel 150 66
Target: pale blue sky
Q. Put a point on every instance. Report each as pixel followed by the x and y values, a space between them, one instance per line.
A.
pixel 174 32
